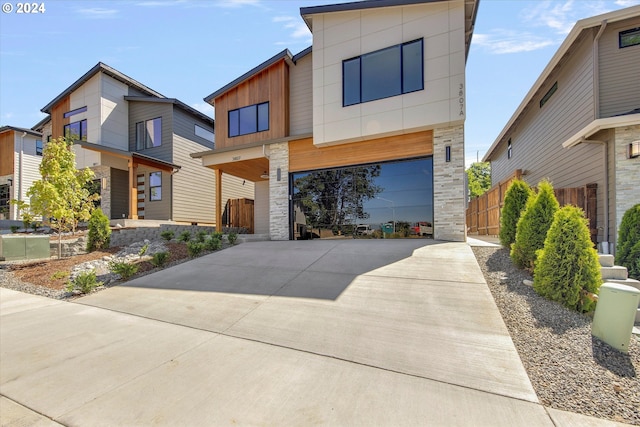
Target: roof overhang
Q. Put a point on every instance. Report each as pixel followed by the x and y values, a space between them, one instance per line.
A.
pixel 582 136
pixel 20 130
pixel 173 101
pixel 576 31
pixel 138 158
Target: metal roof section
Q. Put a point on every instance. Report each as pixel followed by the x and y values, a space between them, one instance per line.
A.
pixel 601 124
pixel 574 34
pixel 4 129
pixel 301 54
pixel 174 101
pixel 112 72
pixel 285 54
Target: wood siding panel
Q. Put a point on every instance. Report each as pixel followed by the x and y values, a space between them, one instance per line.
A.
pixel 619 71
pixel 303 155
pixel 57 117
pixel 141 111
pixel 6 153
pixel 301 97
pixel 270 85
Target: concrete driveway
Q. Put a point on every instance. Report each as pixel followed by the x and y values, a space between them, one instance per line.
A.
pixel 341 332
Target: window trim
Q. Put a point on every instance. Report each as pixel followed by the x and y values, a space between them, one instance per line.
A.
pixel 203 133
pixel 145 146
pixel 403 91
pixel 621 34
pixel 257 122
pixel 74 112
pixel 151 187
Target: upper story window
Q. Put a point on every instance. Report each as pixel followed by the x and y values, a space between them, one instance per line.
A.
pixel 76 130
pixel 74 112
pixel 204 133
pixel 38 147
pixel 149 134
pixel 250 119
pixel 628 38
pixel 384 73
pixel 549 94
pixel 509 151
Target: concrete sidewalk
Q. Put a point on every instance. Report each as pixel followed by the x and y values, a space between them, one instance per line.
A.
pixel 349 332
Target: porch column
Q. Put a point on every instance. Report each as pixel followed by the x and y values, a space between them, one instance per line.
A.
pixel 218 199
pixel 133 190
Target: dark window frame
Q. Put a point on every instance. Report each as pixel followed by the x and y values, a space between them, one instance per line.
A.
pixel 509 149
pixel 549 94
pixel 157 198
pixel 39 147
pixel 82 136
pixel 236 129
pixel 622 34
pixel 350 62
pixel 74 112
pixel 145 142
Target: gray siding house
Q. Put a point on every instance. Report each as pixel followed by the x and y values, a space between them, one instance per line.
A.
pixel 580 121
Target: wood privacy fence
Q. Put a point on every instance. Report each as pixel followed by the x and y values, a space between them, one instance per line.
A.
pixel 238 213
pixel 483 213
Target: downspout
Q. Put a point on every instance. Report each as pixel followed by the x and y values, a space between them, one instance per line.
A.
pixel 20 166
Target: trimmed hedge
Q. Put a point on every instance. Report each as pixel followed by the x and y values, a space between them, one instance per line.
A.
pixel 515 201
pixel 628 245
pixel 567 269
pixel 533 226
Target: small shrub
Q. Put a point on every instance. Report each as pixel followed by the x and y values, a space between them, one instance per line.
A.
pixel 167 235
pixel 567 268
pixel 59 275
pixel 212 244
pixel 159 259
pixel 124 269
pixel 515 201
pixel 99 236
pixel 185 236
pixel 194 248
pixel 35 225
pixel 628 244
pixel 232 237
pixel 85 282
pixel 216 235
pixel 14 228
pixel 201 235
pixel 143 250
pixel 533 225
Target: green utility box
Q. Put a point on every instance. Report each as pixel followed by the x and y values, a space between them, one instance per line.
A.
pixel 615 314
pixel 15 247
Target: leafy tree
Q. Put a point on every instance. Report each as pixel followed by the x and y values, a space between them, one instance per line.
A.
pixel 61 196
pixel 24 210
pixel 533 225
pixel 515 201
pixel 99 232
pixel 567 268
pixel 334 198
pixel 628 245
pixel 479 178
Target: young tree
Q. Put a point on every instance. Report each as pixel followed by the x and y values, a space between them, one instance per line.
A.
pixel 479 177
pixel 533 226
pixel 628 245
pixel 567 269
pixel 60 196
pixel 515 200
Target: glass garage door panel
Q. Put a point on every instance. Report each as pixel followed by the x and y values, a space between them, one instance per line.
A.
pixel 392 199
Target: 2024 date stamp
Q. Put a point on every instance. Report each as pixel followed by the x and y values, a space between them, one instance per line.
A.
pixel 32 8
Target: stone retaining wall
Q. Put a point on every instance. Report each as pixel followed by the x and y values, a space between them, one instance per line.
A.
pixel 128 236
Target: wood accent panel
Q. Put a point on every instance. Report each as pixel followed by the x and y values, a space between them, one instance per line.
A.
pixel 303 155
pixel 239 213
pixel 246 169
pixel 271 84
pixel 57 117
pixel 6 153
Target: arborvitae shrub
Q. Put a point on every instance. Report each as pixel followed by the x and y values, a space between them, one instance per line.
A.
pixel 99 232
pixel 533 226
pixel 628 245
pixel 567 269
pixel 515 201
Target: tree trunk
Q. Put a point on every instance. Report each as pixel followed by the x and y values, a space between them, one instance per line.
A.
pixel 59 244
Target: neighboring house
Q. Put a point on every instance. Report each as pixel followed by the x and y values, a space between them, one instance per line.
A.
pixel 365 127
pixel 20 157
pixel 138 142
pixel 580 121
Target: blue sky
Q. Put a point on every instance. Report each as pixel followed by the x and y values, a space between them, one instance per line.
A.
pixel 187 49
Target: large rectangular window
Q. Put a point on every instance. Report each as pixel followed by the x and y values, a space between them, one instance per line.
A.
pixel 250 119
pixel 149 134
pixel 384 73
pixel 76 131
pixel 629 37
pixel 74 112
pixel 204 133
pixel 155 186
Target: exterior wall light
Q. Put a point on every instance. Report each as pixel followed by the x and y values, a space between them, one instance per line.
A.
pixel 447 155
pixel 634 150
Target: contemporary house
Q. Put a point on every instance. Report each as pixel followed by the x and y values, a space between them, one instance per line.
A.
pixel 138 143
pixel 580 122
pixel 361 131
pixel 20 156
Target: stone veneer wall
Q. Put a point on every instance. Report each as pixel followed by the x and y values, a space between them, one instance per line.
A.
pixel 448 185
pixel 279 191
pixel 105 193
pixel 627 172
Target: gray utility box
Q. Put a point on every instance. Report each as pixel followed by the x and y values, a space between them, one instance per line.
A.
pixel 16 247
pixel 615 314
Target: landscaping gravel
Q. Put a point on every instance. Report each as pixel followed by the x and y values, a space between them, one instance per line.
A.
pixel 568 368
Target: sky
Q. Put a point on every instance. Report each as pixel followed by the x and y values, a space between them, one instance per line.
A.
pixel 187 49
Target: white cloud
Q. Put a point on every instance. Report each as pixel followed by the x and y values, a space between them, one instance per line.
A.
pixel 98 13
pixel 203 107
pixel 299 29
pixel 501 42
pixel 627 3
pixel 158 3
pixel 231 4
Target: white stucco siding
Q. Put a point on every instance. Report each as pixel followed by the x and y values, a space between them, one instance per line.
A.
pixel 344 35
pixel 114 113
pixel 88 95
